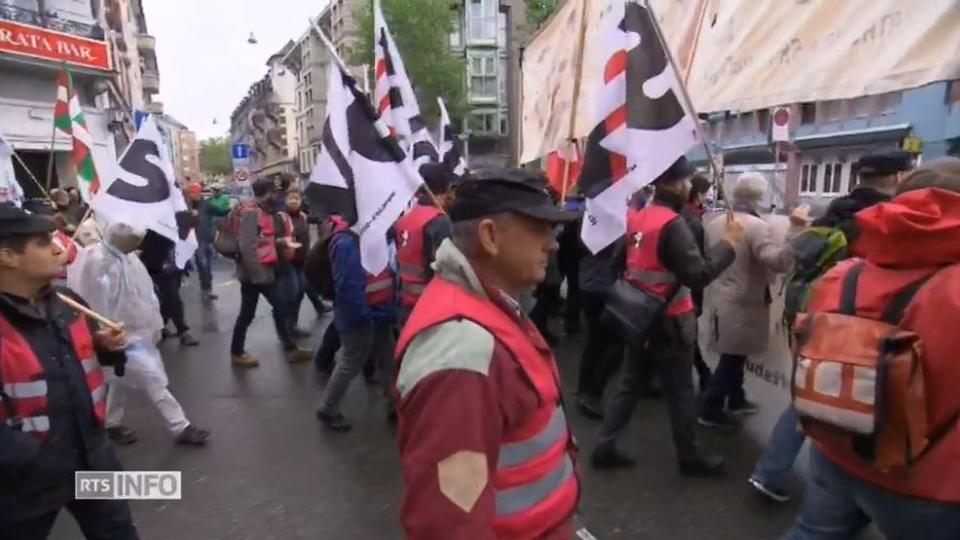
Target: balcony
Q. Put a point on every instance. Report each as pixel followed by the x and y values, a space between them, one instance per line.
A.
pixel 146 43
pixel 155 108
pixel 151 81
pixel 50 21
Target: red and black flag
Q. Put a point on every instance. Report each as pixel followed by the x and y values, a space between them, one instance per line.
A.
pixel 642 126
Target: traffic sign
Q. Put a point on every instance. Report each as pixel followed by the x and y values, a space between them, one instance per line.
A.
pixel 240 152
pixel 780 125
pixel 241 176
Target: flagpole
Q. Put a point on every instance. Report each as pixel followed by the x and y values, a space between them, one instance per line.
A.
pixel 688 103
pixel 696 41
pixel 371 113
pixel 53 136
pixel 578 74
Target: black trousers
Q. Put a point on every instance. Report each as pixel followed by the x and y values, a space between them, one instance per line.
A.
pixel 168 293
pixel 548 301
pixel 98 519
pixel 329 345
pixel 603 352
pixel 670 350
pixel 249 298
pixel 571 309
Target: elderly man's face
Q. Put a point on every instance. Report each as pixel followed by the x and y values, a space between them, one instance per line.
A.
pixel 519 248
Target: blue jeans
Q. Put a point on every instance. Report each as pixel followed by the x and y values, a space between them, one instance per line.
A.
pixel 785 443
pixel 726 384
pixel 204 258
pixel 838 506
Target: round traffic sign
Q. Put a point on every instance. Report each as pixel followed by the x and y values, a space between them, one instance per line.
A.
pixel 781 116
pixel 240 175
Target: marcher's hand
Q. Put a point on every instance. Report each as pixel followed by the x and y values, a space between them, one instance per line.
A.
pixel 111 339
pixel 800 217
pixel 734 231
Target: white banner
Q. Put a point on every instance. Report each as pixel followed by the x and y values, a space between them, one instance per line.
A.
pixel 143 192
pixel 10 190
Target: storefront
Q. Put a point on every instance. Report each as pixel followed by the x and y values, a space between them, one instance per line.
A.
pixel 31 58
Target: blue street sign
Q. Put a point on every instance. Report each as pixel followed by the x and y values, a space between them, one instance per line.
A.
pixel 240 151
pixel 139 117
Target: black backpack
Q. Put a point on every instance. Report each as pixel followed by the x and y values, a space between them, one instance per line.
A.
pixel 318 267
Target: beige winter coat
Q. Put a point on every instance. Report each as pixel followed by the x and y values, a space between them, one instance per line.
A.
pixel 737 304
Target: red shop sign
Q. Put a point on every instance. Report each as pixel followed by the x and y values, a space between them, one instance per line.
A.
pixel 23 40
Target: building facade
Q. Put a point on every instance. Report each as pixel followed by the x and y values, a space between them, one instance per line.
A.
pixel 111 57
pixel 828 137
pixel 265 120
pixel 309 61
pixel 183 148
pixel 489 34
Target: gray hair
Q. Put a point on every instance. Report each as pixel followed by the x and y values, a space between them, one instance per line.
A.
pixel 465 236
pixel 750 188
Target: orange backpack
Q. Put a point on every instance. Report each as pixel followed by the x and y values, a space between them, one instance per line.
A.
pixel 858 383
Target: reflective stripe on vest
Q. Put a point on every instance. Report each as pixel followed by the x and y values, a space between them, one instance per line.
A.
pixel 535 485
pixel 380 288
pixel 25 382
pixel 645 270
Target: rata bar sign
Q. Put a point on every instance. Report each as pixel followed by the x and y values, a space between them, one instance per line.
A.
pixel 23 40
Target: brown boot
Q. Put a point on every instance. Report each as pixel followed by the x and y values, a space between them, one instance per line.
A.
pixel 297 356
pixel 245 360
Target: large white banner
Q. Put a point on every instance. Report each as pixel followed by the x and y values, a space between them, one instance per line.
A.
pixel 749 55
pixel 10 190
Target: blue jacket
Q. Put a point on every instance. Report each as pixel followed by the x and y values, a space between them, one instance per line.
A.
pixel 350 310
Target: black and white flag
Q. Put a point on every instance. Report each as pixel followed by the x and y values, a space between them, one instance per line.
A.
pixel 642 126
pixel 143 192
pixel 395 98
pixel 450 154
pixel 361 172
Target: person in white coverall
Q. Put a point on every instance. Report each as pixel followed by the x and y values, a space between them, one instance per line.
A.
pixel 111 278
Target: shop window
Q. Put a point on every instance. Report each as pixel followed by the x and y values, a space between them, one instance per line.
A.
pixel 808 178
pixel 832 178
pixel 808 113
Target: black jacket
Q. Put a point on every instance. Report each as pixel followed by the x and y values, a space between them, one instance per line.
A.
pixel 696 228
pixel 38 478
pixel 842 211
pixel 681 254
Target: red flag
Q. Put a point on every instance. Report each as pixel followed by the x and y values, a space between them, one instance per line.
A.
pixel 556 164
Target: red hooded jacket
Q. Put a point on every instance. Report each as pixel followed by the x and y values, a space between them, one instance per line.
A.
pixel 914 235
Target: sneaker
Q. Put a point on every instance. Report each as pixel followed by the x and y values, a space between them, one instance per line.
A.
pixel 590 406
pixel 192 436
pixel 245 360
pixel 610 458
pixel 743 408
pixel 334 422
pixel 187 340
pixel 297 356
pixel 769 491
pixel 121 434
pixel 709 465
pixel 719 420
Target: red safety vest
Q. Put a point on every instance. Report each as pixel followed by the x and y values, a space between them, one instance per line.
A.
pixel 267 241
pixel 535 485
pixel 645 270
pixel 25 381
pixel 380 286
pixel 413 267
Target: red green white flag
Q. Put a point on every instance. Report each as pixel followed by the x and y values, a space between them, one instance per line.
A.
pixel 68 118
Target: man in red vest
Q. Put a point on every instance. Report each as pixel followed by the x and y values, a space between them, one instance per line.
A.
pixel 913 239
pixel 484 441
pixel 52 394
pixel 418 235
pixel 662 258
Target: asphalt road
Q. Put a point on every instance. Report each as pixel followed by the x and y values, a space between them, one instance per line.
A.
pixel 271 472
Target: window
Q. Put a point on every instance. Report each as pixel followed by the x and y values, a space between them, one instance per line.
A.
pixel 888 102
pixel 831 111
pixel 858 107
pixel 502 78
pixel 852 178
pixel 501 29
pixel 482 20
pixel 763 120
pixel 832 178
pixel 808 178
pixel 808 113
pixel 487 123
pixel 504 123
pixel 482 73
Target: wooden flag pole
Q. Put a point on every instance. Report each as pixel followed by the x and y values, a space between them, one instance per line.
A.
pixel 371 113
pixel 90 313
pixel 574 106
pixel 688 103
pixel 696 41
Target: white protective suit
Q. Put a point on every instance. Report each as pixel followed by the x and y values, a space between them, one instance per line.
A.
pixel 117 285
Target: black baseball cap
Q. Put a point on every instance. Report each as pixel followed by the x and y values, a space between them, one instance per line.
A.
pixel 885 163
pixel 437 176
pixel 495 191
pixel 15 221
pixel 677 170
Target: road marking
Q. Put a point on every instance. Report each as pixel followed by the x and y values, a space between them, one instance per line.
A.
pixel 226 283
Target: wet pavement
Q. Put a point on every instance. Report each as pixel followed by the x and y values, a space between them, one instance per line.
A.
pixel 271 472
